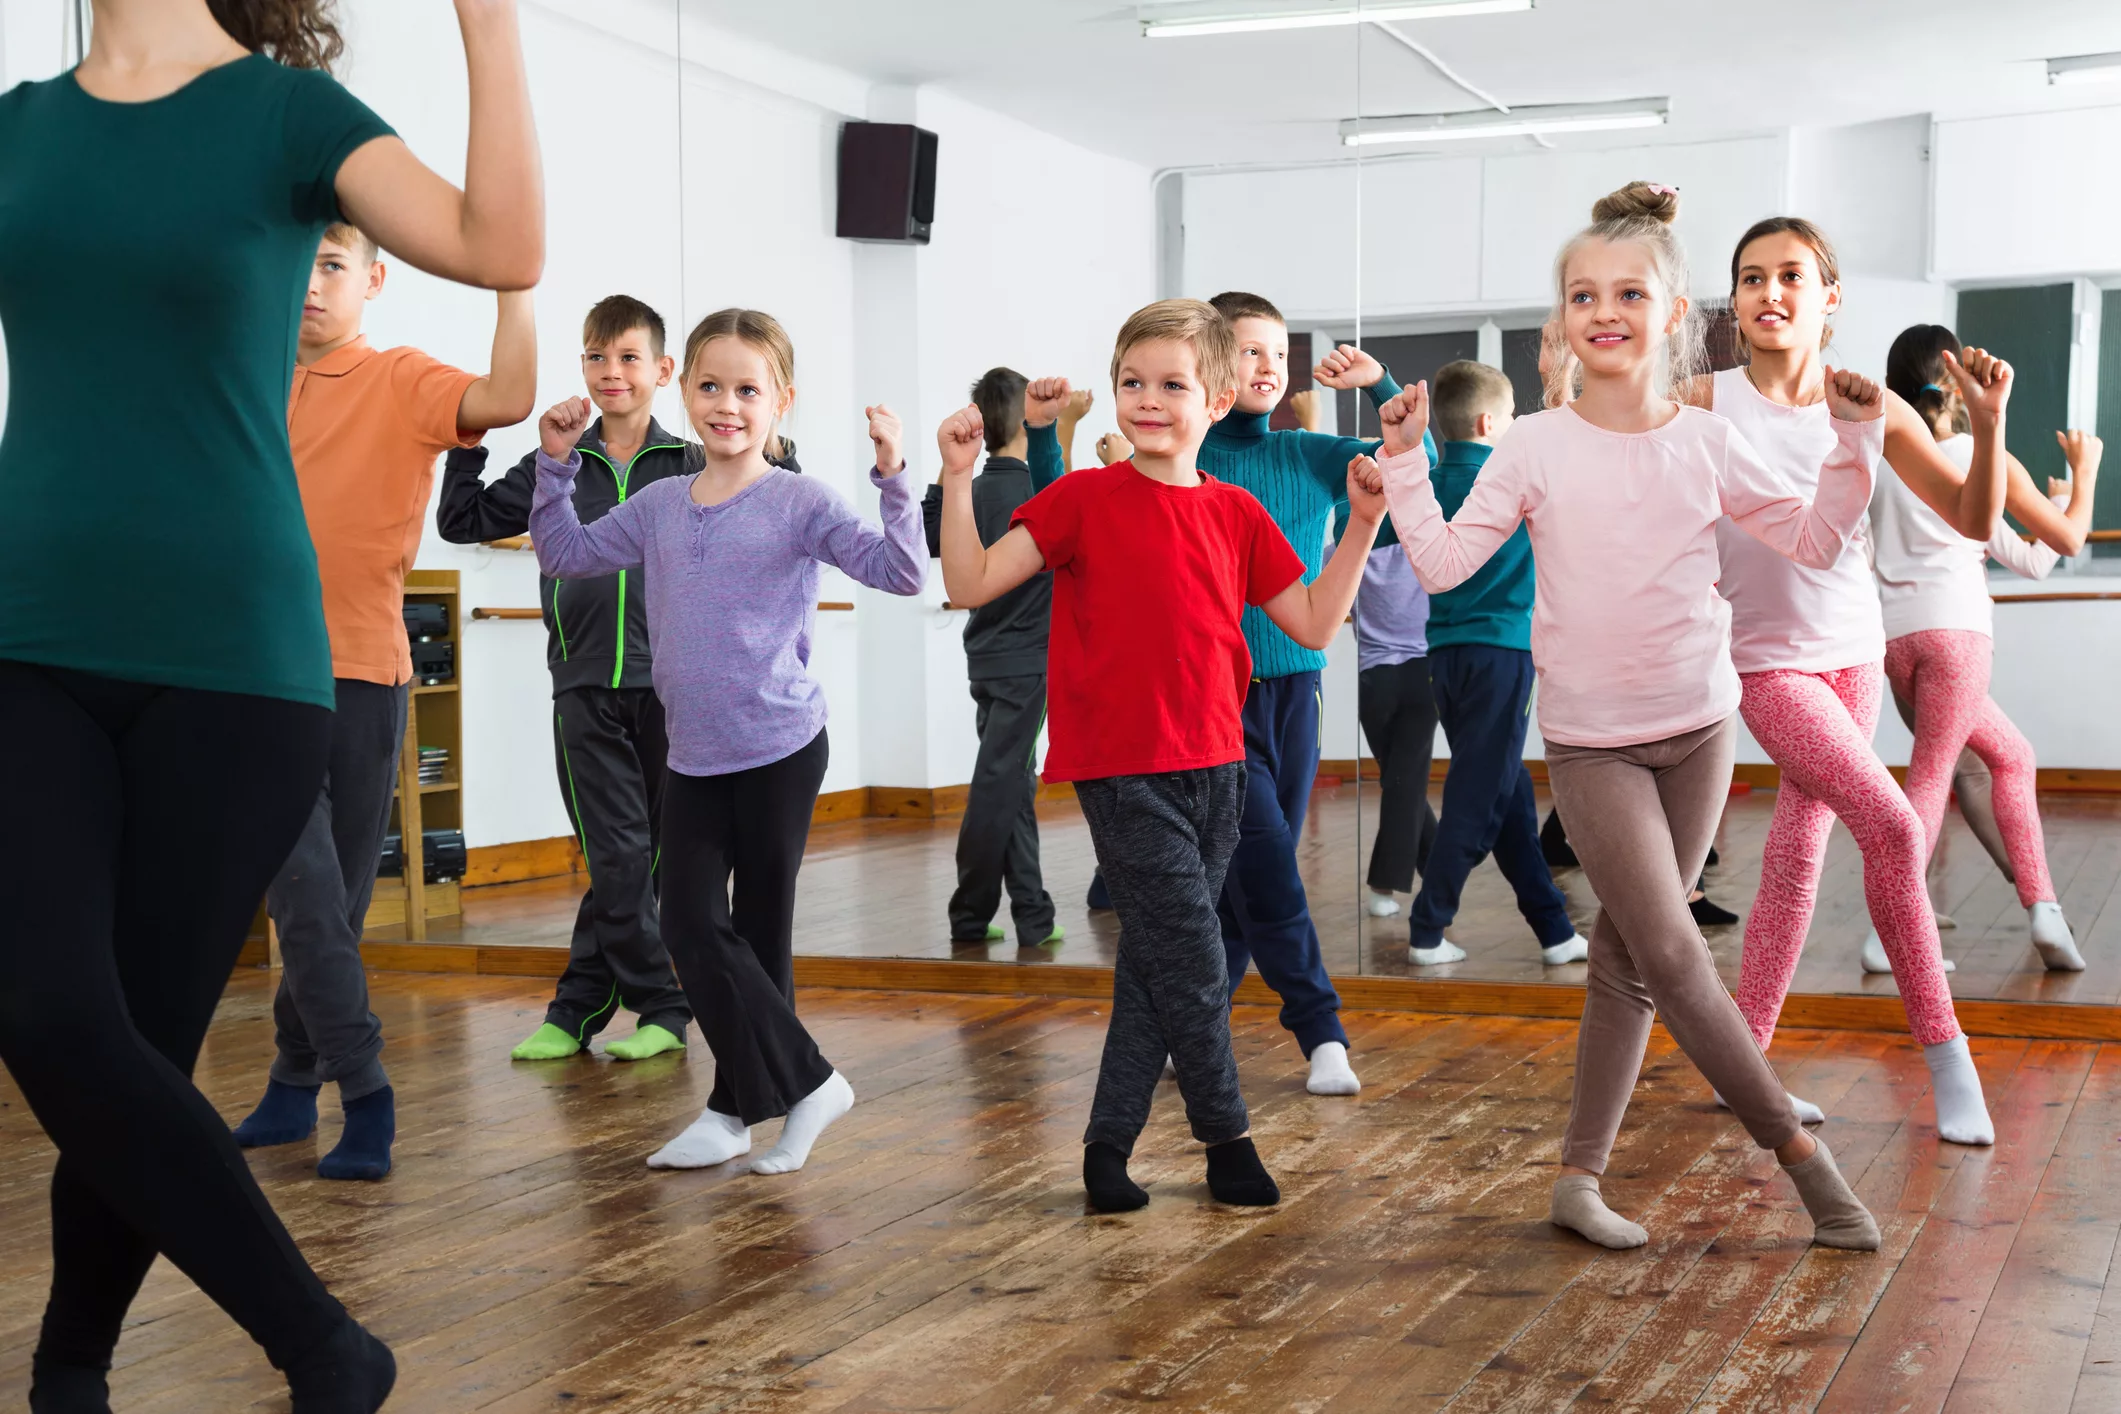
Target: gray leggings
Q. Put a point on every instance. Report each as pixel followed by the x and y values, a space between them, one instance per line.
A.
pixel 1641 818
pixel 1976 791
pixel 1164 843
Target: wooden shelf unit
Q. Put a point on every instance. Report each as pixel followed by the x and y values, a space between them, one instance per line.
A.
pixel 434 716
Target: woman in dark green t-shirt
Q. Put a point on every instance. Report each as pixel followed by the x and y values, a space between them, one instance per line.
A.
pixel 165 678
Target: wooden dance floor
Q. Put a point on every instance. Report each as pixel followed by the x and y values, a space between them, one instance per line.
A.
pixel 936 1255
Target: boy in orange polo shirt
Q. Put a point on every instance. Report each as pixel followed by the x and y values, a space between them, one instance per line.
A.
pixel 366 426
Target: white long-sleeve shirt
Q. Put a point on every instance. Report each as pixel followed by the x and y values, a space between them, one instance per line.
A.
pixel 1629 636
pixel 1929 575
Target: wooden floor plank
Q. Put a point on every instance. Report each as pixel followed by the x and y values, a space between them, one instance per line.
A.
pixel 936 1254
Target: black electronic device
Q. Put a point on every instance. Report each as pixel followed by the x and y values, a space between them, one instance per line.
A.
pixel 442 855
pixel 433 662
pixel 425 620
pixel 887 182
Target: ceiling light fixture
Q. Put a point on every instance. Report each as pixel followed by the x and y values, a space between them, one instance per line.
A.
pixel 1524 120
pixel 1187 21
pixel 2085 68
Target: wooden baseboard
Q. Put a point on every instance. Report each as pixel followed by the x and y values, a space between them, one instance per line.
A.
pixel 522 860
pixel 2055 1021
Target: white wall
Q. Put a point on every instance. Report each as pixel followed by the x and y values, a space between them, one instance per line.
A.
pixel 2027 197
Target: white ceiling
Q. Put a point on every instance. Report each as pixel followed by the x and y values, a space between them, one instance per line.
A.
pixel 1078 68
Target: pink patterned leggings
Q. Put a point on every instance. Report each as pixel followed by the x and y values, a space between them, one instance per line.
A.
pixel 1817 727
pixel 1945 672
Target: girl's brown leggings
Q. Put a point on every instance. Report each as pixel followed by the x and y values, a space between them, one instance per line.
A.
pixel 1641 819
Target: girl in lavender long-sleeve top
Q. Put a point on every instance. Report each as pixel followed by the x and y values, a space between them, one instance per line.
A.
pixel 730 561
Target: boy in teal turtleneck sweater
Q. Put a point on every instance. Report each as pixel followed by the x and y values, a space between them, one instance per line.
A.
pixel 1298 477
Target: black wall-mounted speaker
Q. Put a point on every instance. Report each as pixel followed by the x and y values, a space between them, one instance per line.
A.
pixel 887 182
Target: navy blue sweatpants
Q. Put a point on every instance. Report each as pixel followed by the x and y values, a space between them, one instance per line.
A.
pixel 1483 700
pixel 1265 916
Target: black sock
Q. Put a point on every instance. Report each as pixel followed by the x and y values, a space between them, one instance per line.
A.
pixel 1710 915
pixel 1235 1175
pixel 351 1373
pixel 67 1389
pixel 1105 1178
pixel 1714 858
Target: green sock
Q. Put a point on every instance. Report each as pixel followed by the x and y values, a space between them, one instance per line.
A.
pixel 548 1042
pixel 995 933
pixel 1053 937
pixel 646 1041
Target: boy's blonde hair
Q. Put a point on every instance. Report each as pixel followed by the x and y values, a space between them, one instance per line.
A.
pixel 1642 212
pixel 1461 391
pixel 347 234
pixel 1184 321
pixel 764 334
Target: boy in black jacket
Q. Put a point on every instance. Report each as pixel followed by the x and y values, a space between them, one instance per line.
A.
pixel 607 725
pixel 1005 659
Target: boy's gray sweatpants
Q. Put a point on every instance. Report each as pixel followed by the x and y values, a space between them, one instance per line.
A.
pixel 1164 843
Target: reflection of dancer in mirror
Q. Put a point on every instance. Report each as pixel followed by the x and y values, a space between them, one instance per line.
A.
pixel 1940 629
pixel 729 560
pixel 1153 564
pixel 1298 476
pixel 1809 644
pixel 1005 665
pixel 365 427
pixel 171 717
pixel 1480 668
pixel 610 743
pixel 1623 489
pixel 1397 712
pixel 1973 788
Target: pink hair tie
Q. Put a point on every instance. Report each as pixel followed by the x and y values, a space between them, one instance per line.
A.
pixel 1660 189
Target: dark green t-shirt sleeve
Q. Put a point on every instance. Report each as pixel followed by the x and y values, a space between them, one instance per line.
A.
pixel 1042 453
pixel 1326 457
pixel 321 126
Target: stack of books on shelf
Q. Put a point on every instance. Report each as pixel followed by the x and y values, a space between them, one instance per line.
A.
pixel 434 765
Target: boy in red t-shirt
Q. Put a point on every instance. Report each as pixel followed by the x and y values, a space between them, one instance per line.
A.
pixel 1153 563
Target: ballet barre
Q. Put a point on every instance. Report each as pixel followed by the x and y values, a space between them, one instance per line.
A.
pixel 2085 596
pixel 828 606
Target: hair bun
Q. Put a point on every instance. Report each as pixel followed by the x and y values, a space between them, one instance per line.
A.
pixel 1637 201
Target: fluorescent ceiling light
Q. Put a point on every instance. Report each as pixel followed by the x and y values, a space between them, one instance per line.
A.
pixel 1522 121
pixel 2085 68
pixel 1183 21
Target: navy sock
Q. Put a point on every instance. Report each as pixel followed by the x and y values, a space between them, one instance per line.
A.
pixel 1100 897
pixel 363 1150
pixel 1235 1175
pixel 1105 1179
pixel 351 1373
pixel 67 1389
pixel 287 1115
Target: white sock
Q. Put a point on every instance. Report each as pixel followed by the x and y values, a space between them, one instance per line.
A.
pixel 1962 1113
pixel 1381 904
pixel 1170 1069
pixel 1807 1112
pixel 1330 1074
pixel 709 1140
pixel 1444 951
pixel 1875 960
pixel 804 1124
pixel 2051 935
pixel 1574 948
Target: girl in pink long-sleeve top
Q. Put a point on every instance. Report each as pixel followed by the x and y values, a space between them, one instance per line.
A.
pixel 1622 490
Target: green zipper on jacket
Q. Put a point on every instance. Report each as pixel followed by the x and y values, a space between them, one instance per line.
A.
pixel 621 479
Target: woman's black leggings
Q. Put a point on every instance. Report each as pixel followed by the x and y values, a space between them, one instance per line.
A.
pixel 736 955
pixel 142 826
